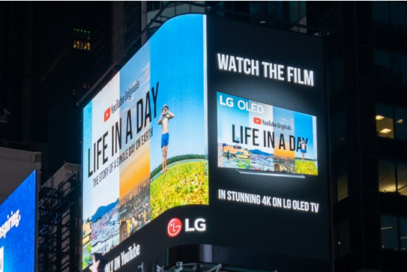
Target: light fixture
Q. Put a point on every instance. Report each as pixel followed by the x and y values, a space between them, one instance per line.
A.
pixel 379 117
pixel 384 228
pixel 400 121
pixel 385 130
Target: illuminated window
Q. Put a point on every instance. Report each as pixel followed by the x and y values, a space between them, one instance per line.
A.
pixel 88 46
pixel 384 121
pixel 392 177
pixel 74 44
pixel 387 176
pixel 402 178
pixel 400 123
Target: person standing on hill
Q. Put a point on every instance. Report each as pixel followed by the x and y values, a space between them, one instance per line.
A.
pixel 303 148
pixel 166 115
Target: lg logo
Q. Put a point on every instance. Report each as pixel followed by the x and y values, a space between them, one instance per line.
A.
pixel 174 227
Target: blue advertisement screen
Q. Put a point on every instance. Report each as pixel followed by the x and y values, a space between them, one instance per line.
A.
pixel 17 228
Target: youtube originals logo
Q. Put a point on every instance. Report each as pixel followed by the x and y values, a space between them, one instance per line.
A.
pixel 257 121
pixel 107 114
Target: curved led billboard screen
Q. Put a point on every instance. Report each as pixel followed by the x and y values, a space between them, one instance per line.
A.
pixel 213 133
pixel 18 228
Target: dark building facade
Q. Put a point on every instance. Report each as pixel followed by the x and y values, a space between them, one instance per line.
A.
pixel 16 75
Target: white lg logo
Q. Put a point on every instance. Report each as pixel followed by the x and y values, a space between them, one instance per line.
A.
pixel 199 225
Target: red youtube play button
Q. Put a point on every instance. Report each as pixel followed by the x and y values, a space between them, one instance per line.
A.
pixel 107 114
pixel 257 120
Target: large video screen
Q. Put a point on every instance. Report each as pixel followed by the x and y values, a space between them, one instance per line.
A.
pixel 260 137
pixel 144 138
pixel 213 134
pixel 18 228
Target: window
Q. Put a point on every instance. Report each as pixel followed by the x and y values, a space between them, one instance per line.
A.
pixel 399 65
pixel 338 128
pixel 297 14
pixel 384 121
pixel 340 184
pixel 380 13
pixel 338 75
pixel 401 123
pixel 390 67
pixel 394 232
pixel 392 14
pixel 389 232
pixel 83 45
pixel 342 239
pixel 387 176
pixel 382 63
pixel 391 122
pixel 403 233
pixel 392 177
pixel 402 178
pixel 398 15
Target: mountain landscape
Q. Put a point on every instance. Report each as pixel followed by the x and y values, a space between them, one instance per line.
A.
pixel 103 210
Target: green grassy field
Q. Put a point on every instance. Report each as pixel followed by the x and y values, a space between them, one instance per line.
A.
pixel 182 184
pixel 305 167
pixel 87 255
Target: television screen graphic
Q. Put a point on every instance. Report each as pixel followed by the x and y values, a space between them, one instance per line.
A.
pixel 260 137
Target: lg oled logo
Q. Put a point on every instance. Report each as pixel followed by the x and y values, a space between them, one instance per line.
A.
pixel 175 226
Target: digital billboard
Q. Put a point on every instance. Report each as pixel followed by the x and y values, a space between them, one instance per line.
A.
pixel 143 148
pixel 18 228
pixel 213 134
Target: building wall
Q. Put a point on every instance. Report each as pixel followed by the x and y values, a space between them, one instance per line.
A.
pixel 15 167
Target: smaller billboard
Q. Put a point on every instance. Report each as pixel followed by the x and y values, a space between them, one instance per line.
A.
pixel 17 228
pixel 260 137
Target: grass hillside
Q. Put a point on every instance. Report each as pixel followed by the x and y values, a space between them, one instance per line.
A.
pixel 182 184
pixel 305 167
